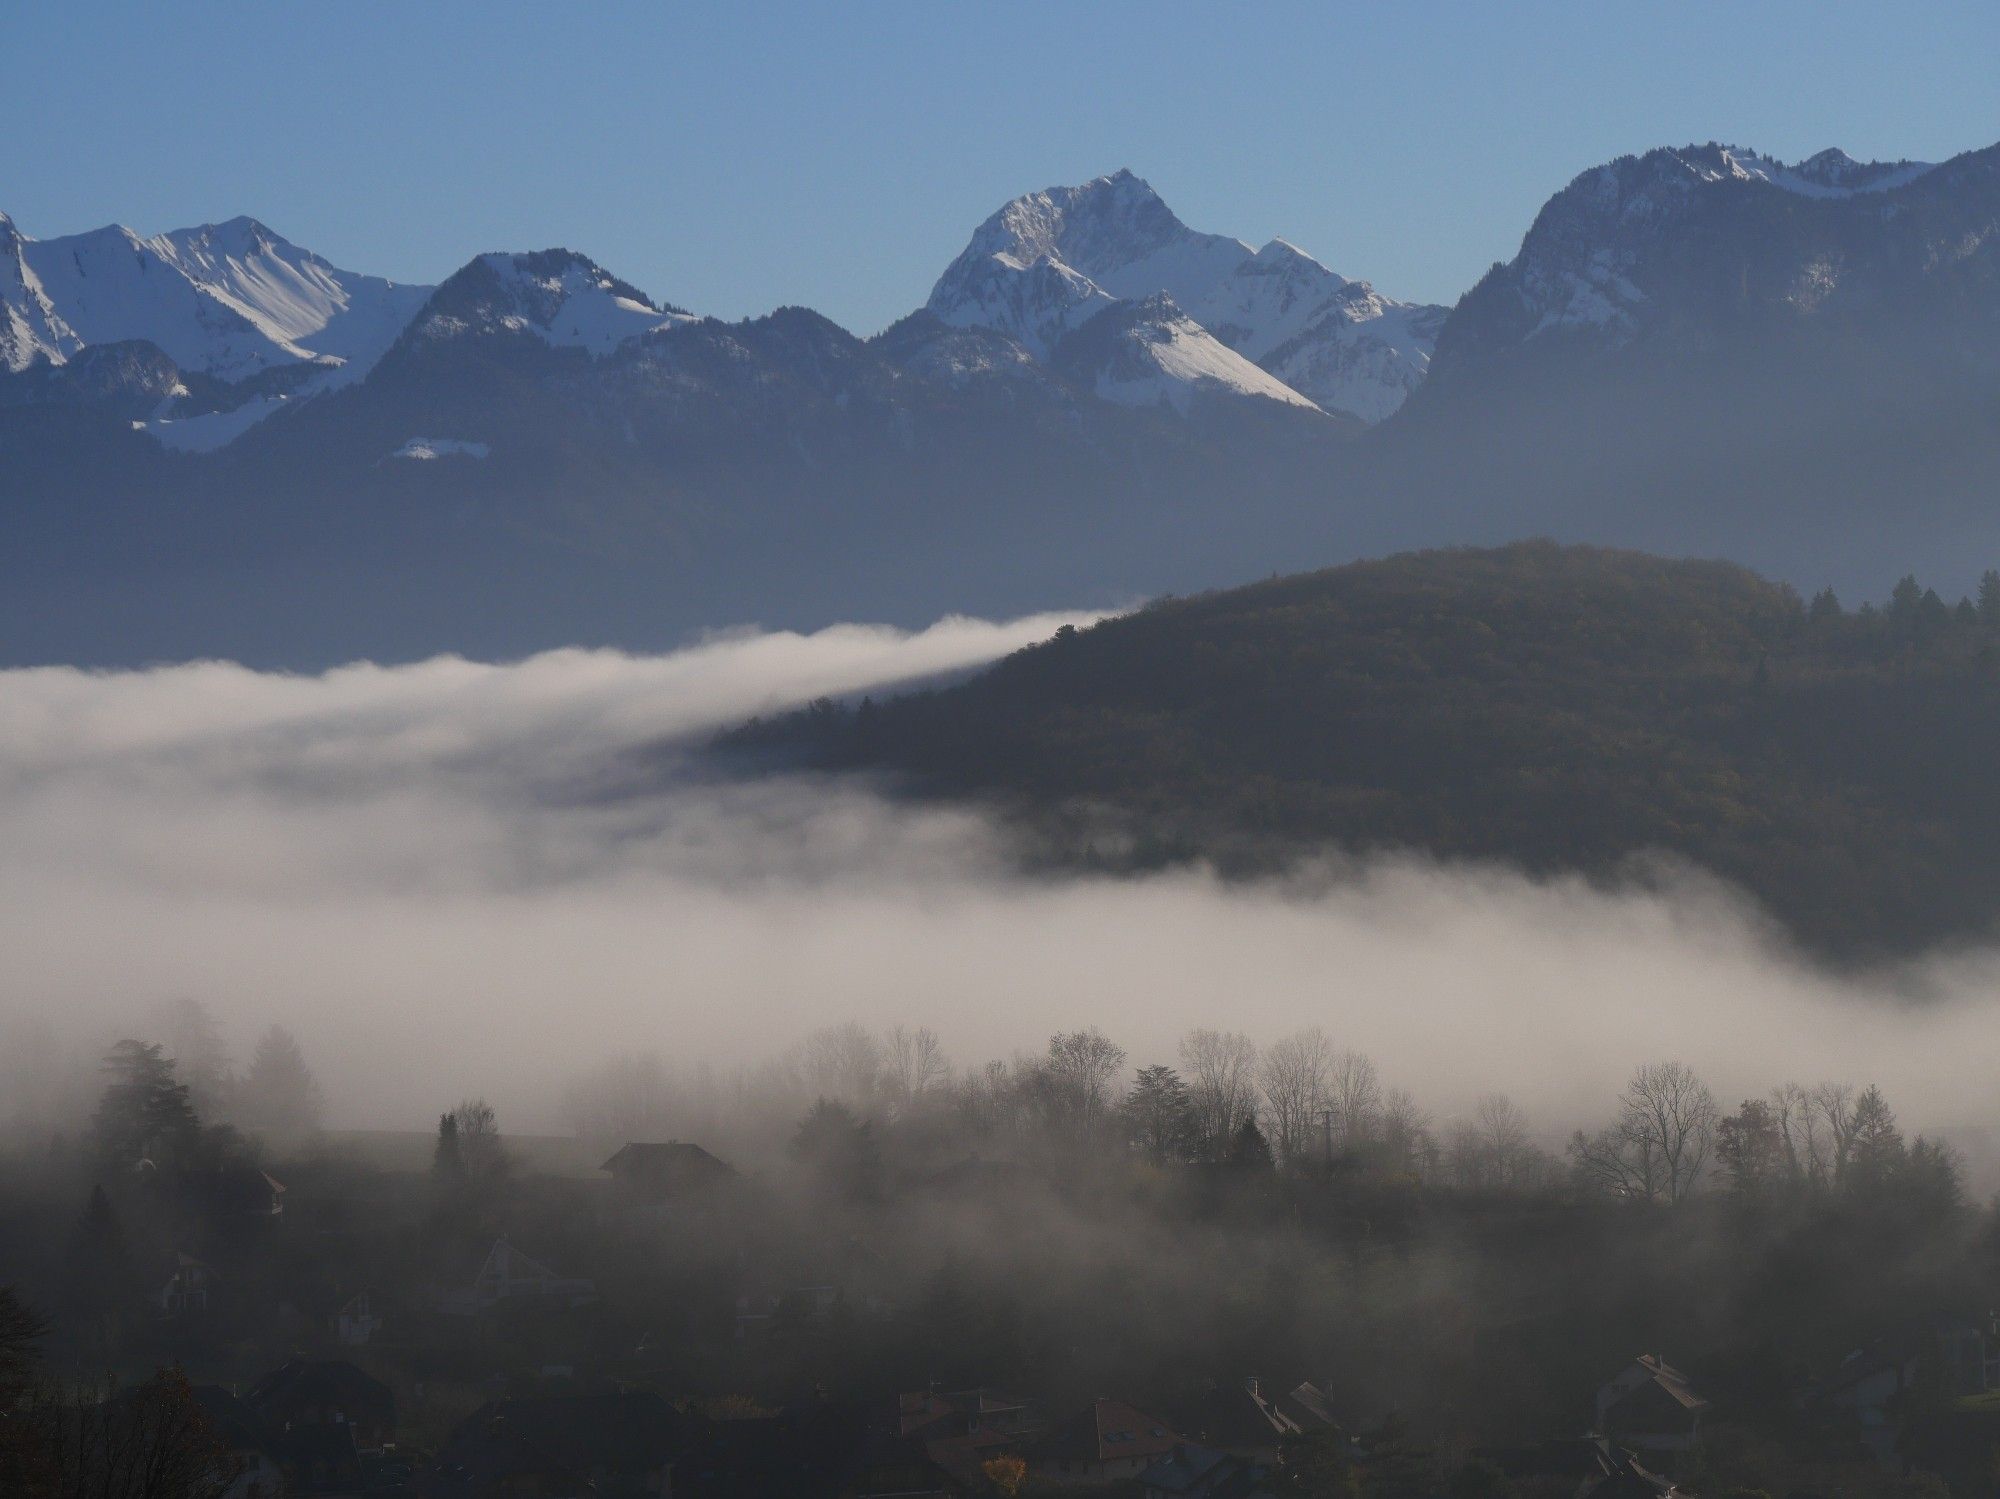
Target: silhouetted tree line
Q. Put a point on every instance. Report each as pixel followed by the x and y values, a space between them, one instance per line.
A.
pixel 1559 708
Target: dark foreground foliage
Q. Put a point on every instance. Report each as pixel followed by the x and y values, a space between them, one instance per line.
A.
pixel 1561 708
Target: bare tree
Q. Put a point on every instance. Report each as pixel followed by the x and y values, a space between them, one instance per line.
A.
pixel 915 1065
pixel 1503 1135
pixel 1492 1148
pixel 1081 1067
pixel 842 1061
pixel 1408 1147
pixel 483 1158
pixel 1354 1094
pixel 1656 1148
pixel 152 1441
pixel 1294 1074
pixel 1220 1070
pixel 1833 1106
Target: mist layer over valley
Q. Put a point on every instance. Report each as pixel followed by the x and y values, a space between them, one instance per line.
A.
pixel 451 879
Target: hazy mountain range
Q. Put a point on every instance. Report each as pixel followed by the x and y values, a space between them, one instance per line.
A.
pixel 214 441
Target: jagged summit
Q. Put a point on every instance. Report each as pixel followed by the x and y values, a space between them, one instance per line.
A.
pixel 1831 173
pixel 1046 263
pixel 232 300
pixel 560 296
pixel 1587 264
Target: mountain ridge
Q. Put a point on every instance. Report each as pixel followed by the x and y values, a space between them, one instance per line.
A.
pixel 1774 352
pixel 1572 711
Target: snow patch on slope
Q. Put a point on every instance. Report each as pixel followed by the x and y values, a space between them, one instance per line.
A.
pixel 112 286
pixel 426 449
pixel 207 431
pixel 576 305
pixel 1831 173
pixel 294 295
pixel 1152 353
pixel 1047 263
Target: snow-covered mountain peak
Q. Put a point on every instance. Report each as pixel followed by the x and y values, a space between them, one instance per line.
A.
pixel 31 329
pixel 1048 262
pixel 231 300
pixel 293 294
pixel 112 286
pixel 559 296
pixel 1108 228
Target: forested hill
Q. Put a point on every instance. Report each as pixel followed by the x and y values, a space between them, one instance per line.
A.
pixel 1560 708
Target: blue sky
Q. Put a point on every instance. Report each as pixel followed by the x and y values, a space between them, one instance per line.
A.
pixel 734 158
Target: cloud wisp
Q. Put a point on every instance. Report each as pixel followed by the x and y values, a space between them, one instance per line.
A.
pixel 453 878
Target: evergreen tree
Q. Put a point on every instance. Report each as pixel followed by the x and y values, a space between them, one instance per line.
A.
pixel 839 1149
pixel 1750 1149
pixel 97 1267
pixel 279 1091
pixel 447 1162
pixel 1876 1154
pixel 200 1056
pixel 1825 607
pixel 1989 599
pixel 1249 1151
pixel 1159 1115
pixel 144 1111
pixel 1933 1186
pixel 1905 600
pixel 1933 618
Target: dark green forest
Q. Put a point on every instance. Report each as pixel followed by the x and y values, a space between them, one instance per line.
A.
pixel 1564 709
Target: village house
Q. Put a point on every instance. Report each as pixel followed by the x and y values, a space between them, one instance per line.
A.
pixel 1873 1385
pixel 357 1322
pixel 236 1191
pixel 1650 1405
pixel 506 1274
pixel 188 1286
pixel 1248 1422
pixel 670 1173
pixel 305 1395
pixel 960 1430
pixel 1196 1472
pixel 1105 1442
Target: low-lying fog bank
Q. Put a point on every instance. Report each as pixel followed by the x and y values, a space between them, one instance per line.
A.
pixel 450 878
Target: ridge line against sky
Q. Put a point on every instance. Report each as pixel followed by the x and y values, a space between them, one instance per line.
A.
pixel 732 161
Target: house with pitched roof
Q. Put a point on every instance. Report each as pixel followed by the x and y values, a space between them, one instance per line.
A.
pixel 670 1171
pixel 508 1275
pixel 310 1394
pixel 1650 1405
pixel 960 1430
pixel 1106 1442
pixel 1195 1472
pixel 1247 1420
